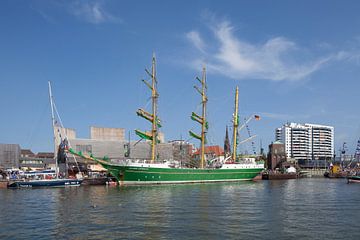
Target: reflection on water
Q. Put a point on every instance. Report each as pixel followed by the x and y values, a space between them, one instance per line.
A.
pixel 304 209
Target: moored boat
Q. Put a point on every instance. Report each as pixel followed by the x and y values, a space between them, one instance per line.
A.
pixel 278 176
pixel 130 172
pixel 353 179
pixel 45 183
pixel 47 178
pixel 336 171
pixel 153 173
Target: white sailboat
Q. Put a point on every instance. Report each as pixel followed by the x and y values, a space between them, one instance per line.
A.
pixel 55 182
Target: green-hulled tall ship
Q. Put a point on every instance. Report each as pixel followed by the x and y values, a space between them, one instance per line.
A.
pixel 140 172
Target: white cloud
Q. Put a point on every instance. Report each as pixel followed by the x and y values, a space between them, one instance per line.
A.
pixel 92 12
pixel 277 59
pixel 195 38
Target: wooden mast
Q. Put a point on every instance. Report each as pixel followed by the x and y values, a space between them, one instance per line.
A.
pixel 201 119
pixel 154 97
pixel 235 123
pixel 151 116
pixel 203 115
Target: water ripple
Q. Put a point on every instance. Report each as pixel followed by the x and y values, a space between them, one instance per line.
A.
pixel 304 209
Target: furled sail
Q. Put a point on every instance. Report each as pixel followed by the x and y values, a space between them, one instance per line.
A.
pixel 144 135
pixel 194 135
pixel 148 116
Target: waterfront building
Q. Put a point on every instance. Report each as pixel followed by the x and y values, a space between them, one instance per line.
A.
pixel 111 143
pixel 39 161
pixel 26 153
pixel 9 156
pixel 276 155
pixel 182 150
pixel 309 144
pixel 278 134
pixel 211 152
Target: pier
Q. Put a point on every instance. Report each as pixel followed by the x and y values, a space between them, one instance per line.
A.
pixel 314 172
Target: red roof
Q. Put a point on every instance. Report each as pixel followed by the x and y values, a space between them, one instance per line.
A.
pixel 217 150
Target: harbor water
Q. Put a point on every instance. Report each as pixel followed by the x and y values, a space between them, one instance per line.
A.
pixel 301 209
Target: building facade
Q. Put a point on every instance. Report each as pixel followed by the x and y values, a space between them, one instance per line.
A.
pixel 276 155
pixel 42 160
pixel 307 142
pixel 278 132
pixel 111 143
pixel 9 156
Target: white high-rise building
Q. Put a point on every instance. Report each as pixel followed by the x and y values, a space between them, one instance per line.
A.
pixel 278 134
pixel 307 141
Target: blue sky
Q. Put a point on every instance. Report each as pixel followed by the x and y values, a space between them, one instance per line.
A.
pixel 293 61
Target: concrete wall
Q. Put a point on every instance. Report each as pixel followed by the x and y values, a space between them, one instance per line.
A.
pixel 111 134
pixel 138 150
pixel 9 155
pixel 99 148
pixel 70 133
pixel 64 132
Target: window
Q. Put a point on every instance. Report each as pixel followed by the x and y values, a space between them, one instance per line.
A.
pixel 84 148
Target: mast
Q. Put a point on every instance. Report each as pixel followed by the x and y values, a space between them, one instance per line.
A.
pixel 201 119
pixel 235 123
pixel 203 125
pixel 53 127
pixel 151 117
pixel 154 97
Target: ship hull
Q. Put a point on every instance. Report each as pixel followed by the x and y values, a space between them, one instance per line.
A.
pixel 46 183
pixel 127 175
pixel 95 181
pixel 341 174
pixel 278 176
pixel 353 179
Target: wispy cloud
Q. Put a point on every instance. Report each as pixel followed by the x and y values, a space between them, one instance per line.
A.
pixel 195 38
pixel 277 59
pixel 282 116
pixel 92 12
pixel 43 14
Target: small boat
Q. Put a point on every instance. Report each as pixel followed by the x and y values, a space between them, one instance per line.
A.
pixel 52 182
pixel 336 171
pixel 288 173
pixel 353 179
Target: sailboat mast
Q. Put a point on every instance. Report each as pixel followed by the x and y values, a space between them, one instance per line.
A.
pixel 235 123
pixel 53 127
pixel 154 97
pixel 203 125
